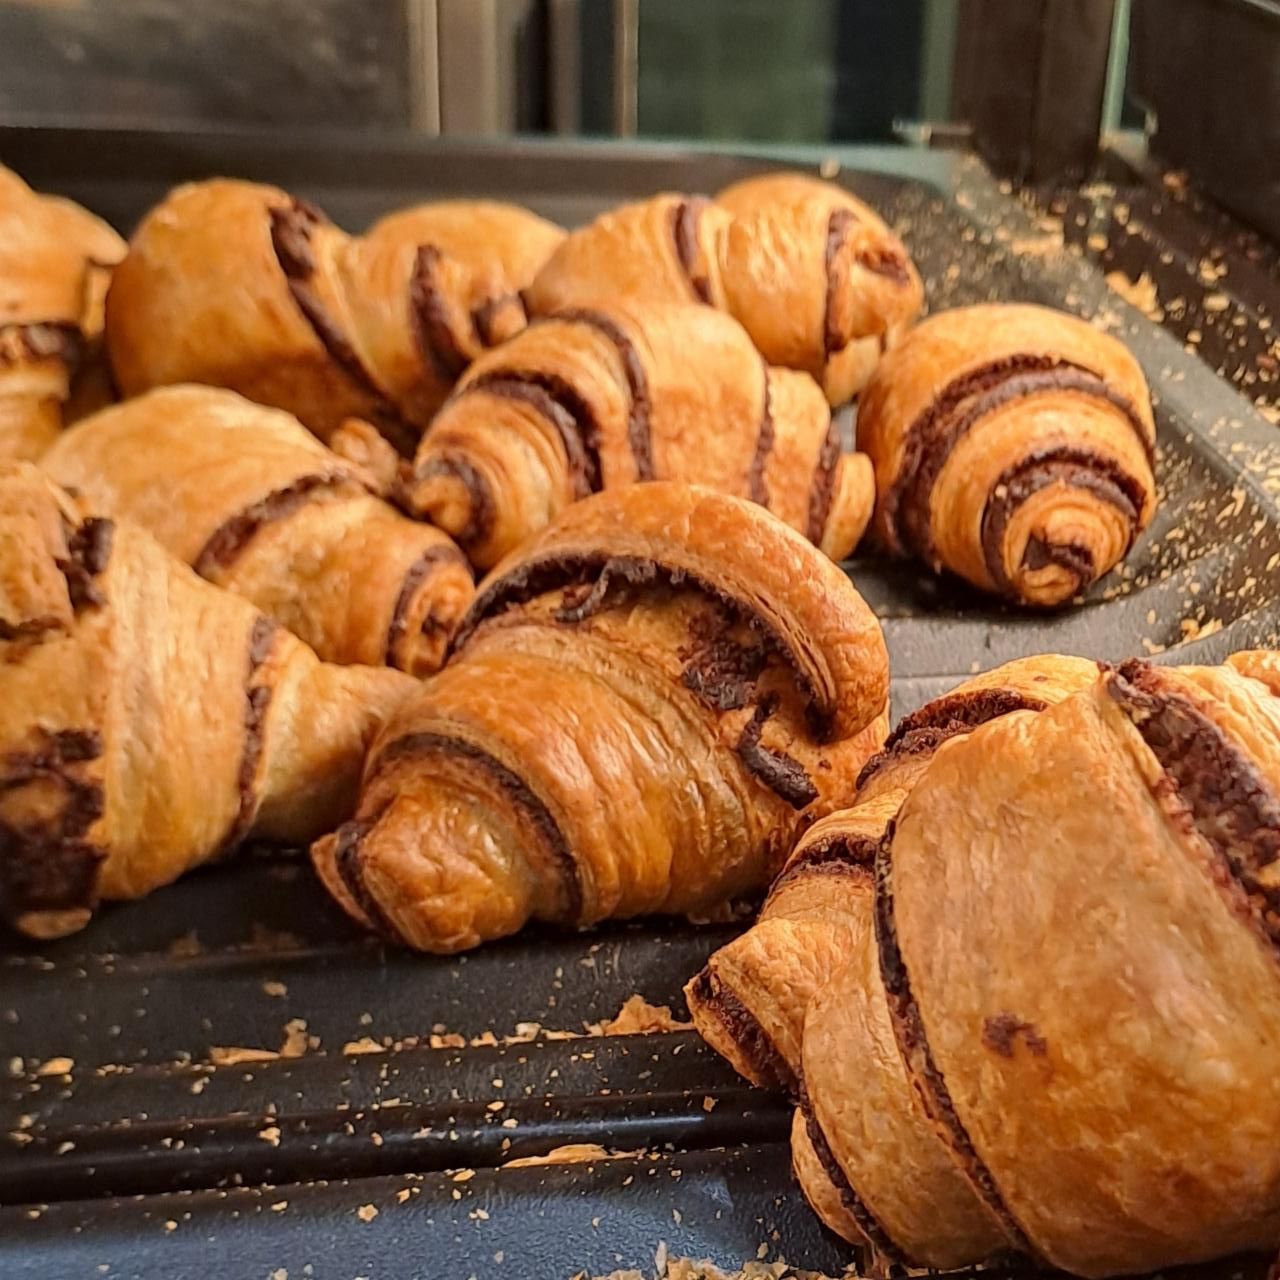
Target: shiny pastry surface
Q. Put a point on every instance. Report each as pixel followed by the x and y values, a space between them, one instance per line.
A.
pixel 149 721
pixel 55 261
pixel 254 503
pixel 644 704
pixel 241 285
pixel 597 397
pixel 813 275
pixel 1012 445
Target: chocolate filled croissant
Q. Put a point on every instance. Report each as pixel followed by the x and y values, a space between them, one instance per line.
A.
pixel 254 503
pixel 55 261
pixel 813 275
pixel 1013 445
pixel 608 395
pixel 242 286
pixel 644 704
pixel 148 721
pixel 749 1001
pixel 1061 1035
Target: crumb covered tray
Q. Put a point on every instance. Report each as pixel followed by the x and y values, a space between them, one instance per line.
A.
pixel 229 1076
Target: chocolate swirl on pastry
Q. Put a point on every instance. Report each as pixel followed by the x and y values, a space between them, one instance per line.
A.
pixel 151 722
pixel 254 503
pixel 814 276
pixel 55 261
pixel 619 393
pixel 645 703
pixel 242 286
pixel 1012 445
pixel 1059 1035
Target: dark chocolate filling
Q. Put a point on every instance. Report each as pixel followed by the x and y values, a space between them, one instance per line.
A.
pixel 46 864
pixel 917 1057
pixel 480 497
pixel 824 485
pixel 1002 1032
pixel 838 855
pixel 291 228
pixel 928 728
pixel 418 573
pixel 870 1227
pixel 257 701
pixel 349 864
pixel 838 225
pixel 1230 804
pixel 1082 469
pixel 757 489
pixel 784 775
pixel 685 218
pixel 933 435
pixel 231 537
pixel 517 790
pixel 437 342
pixel 536 577
pixel 88 554
pixel 559 403
pixel 719 670
pixel 740 1025
pixel 638 435
pixel 484 316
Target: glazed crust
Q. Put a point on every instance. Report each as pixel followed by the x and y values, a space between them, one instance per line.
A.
pixel 814 276
pixel 55 260
pixel 1012 445
pixel 644 704
pixel 620 392
pixel 242 286
pixel 1115 1102
pixel 254 503
pixel 149 721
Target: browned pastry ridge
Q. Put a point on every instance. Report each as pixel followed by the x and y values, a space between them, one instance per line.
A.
pixel 1013 445
pixel 242 286
pixel 55 261
pixel 148 721
pixel 1059 1032
pixel 254 503
pixel 620 392
pixel 814 276
pixel 644 705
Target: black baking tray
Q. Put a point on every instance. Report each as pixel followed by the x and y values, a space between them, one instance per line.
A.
pixel 366 1150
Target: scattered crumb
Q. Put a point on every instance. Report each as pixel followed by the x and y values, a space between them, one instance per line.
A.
pixel 1140 293
pixel 187 945
pixel 638 1017
pixel 270 1134
pixel 366 1213
pixel 708 1104
pixel 54 1066
pixel 366 1044
pixel 275 989
pixel 464 1175
pixel 573 1153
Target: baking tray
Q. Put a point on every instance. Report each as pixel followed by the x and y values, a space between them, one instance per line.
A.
pixel 139 1139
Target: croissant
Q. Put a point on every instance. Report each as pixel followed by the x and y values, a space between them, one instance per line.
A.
pixel 1061 1035
pixel 608 395
pixel 254 503
pixel 750 999
pixel 1012 445
pixel 242 286
pixel 813 275
pixel 55 261
pixel 644 704
pixel 148 721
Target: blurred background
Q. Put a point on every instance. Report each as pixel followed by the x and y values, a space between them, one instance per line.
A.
pixel 1030 84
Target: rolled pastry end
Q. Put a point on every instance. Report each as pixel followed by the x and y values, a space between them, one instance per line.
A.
pixel 852 504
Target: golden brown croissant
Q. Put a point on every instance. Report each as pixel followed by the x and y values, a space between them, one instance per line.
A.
pixel 617 393
pixel 242 286
pixel 55 261
pixel 812 274
pixel 749 1001
pixel 254 503
pixel 644 704
pixel 1062 1033
pixel 149 721
pixel 1012 445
